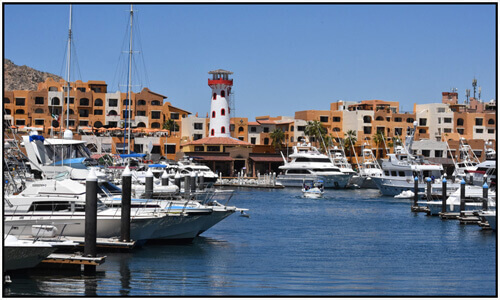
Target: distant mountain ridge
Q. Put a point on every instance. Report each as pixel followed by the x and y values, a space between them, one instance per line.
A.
pixel 23 77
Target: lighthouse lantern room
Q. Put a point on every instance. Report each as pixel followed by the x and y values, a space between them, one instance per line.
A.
pixel 219 108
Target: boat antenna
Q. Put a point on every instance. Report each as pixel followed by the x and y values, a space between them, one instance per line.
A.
pixel 68 74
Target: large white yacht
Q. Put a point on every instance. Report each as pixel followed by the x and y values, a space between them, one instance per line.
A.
pixel 339 159
pixel 367 169
pixel 468 160
pixel 401 168
pixel 308 164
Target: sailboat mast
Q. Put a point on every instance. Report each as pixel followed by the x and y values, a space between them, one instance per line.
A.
pixel 129 92
pixel 68 74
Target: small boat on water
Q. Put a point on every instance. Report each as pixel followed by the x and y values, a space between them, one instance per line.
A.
pixel 316 190
pixel 405 195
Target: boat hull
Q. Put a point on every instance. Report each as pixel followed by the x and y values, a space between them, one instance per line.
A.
pixel 329 181
pixel 18 257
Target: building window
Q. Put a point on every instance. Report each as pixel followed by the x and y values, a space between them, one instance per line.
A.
pixel 39 100
pixel 113 102
pixel 214 96
pixel 222 112
pixel 266 129
pixel 98 102
pixel 83 101
pixel 336 129
pixel 252 140
pixel 170 148
pixel 84 123
pixel 174 116
pixel 155 114
pixel 198 126
pixel 199 148
pixel 155 103
pixel 410 120
pixel 7 111
pixel 379 118
pixel 155 125
pixel 479 121
pixel 141 102
pixel 441 109
pixel 460 130
pixel 422 122
pixel 141 124
pixel 367 130
pixel 301 128
pixel 113 124
pixel 367 119
pixel 20 101
pixel 438 153
pixel 398 131
pixel 39 111
pixel 231 127
pixel 491 122
pixel 71 100
pixel 39 122
pixel 98 112
pixel 23 122
pixel 197 136
pixel 397 119
pixel 223 129
pixel 479 130
pixel 422 130
pixel 426 153
pixel 19 111
pixel 6 100
pixel 241 138
pixel 460 122
pixel 266 141
pixel 241 129
pixel 447 120
pixel 125 102
pixel 213 114
pixel 223 93
pixel 323 119
pixel 97 124
pixel 84 112
pixel 253 129
pixel 112 113
pixel 125 113
pixel 335 119
pixel 447 130
pixel 141 113
pixel 212 132
pixel 213 148
pixel 491 130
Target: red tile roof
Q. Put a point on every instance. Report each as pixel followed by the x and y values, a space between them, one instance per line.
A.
pixel 218 141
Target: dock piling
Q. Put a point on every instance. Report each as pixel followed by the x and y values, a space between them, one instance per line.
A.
pixel 462 197
pixel 164 178
pixel 149 184
pixel 485 196
pixel 443 195
pixel 126 205
pixel 177 180
pixel 415 190
pixel 90 249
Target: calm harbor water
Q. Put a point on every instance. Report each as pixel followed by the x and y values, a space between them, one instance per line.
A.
pixel 352 242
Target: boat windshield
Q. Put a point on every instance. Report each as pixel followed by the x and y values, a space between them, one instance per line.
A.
pixel 311 159
pixel 62 152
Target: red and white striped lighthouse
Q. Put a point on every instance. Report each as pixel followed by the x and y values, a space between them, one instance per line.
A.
pixel 219 109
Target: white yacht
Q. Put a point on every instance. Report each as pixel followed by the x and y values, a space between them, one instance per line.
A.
pixel 401 168
pixel 308 164
pixel 368 169
pixel 339 159
pixel 24 253
pixel 468 160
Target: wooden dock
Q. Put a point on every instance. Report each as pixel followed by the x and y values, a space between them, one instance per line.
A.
pixel 73 259
pixel 108 243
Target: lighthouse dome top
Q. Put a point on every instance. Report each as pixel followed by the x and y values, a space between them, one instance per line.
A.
pixel 220 71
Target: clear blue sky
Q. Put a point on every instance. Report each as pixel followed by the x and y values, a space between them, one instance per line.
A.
pixel 285 58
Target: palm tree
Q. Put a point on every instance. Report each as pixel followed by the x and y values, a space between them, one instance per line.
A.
pixel 349 141
pixel 278 137
pixel 378 139
pixel 315 129
pixel 170 125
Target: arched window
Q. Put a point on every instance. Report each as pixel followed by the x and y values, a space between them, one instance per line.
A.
pixel 39 111
pixel 141 102
pixel 266 141
pixel 112 113
pixel 240 129
pixel 379 118
pixel 155 125
pixel 19 111
pixel 223 129
pixel 213 114
pixel 212 132
pixel 491 122
pixel 84 101
pixel 7 111
pixel 98 102
pixel 460 122
pixel 97 124
pixel 141 124
pixel 56 101
pixel 223 93
pixel 6 100
pixel 155 102
pixel 222 112
pixel 367 119
pixel 214 96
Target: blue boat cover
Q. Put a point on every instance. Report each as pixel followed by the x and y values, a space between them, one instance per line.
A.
pixel 36 138
pixel 157 166
pixel 132 155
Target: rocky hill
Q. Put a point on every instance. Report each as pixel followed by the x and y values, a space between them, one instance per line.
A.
pixel 23 77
